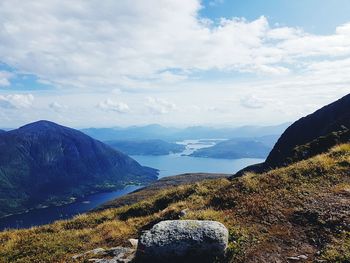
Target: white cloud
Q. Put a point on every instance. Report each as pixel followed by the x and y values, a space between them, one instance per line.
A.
pixel 118 44
pixel 252 102
pixel 55 106
pixel 5 78
pixel 16 101
pixel 92 50
pixel 159 106
pixel 110 105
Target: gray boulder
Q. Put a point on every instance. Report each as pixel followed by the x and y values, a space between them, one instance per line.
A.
pixel 183 241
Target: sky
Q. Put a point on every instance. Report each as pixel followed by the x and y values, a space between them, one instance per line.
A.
pixel 89 63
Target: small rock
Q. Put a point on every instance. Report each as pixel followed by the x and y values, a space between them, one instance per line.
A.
pixel 95 251
pixel 183 212
pixel 183 241
pixel 298 258
pixel 302 257
pixel 134 242
pixel 120 255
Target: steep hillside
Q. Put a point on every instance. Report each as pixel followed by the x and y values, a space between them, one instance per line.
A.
pixel 46 164
pixel 145 147
pixel 310 135
pixel 298 213
pixel 334 117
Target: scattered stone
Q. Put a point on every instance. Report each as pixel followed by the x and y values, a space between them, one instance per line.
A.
pixel 119 254
pixel 302 257
pixel 298 258
pixel 95 251
pixel 134 242
pixel 183 212
pixel 183 241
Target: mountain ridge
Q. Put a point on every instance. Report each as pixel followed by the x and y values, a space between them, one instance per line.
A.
pixel 44 163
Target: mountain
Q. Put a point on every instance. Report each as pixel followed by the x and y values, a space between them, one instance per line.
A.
pixel 146 147
pixel 43 163
pixel 2 131
pixel 239 148
pixel 156 131
pixel 310 135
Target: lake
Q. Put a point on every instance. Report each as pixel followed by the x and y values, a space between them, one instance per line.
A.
pixel 171 164
pixel 48 215
pixel 175 164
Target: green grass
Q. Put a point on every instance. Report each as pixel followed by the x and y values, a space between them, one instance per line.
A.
pixel 299 209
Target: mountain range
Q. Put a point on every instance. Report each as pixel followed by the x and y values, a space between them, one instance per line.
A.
pixel 256 147
pixel 44 163
pixel 155 131
pixel 146 147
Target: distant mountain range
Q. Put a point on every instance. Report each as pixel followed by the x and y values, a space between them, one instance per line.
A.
pixel 146 147
pixel 43 163
pixel 309 136
pixel 156 131
pixel 258 147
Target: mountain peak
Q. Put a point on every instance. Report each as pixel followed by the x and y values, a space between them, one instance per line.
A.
pixel 42 124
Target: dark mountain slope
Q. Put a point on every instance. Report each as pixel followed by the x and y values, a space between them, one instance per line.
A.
pixel 44 163
pixel 310 135
pixel 334 117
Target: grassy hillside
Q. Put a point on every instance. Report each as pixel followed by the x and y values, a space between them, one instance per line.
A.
pixel 302 209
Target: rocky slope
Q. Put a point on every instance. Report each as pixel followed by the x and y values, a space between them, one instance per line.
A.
pixel 46 164
pixel 334 117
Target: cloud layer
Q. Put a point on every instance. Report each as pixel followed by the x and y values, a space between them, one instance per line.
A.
pixel 122 43
pixel 160 56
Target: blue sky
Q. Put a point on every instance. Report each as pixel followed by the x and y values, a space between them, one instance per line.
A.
pixel 314 16
pixel 174 62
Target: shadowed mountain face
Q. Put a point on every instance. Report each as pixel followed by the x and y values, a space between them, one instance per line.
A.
pixel 309 136
pixel 44 163
pixel 333 118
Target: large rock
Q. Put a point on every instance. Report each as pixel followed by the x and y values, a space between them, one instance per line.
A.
pixel 183 241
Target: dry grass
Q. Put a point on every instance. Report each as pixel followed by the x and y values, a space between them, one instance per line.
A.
pixel 300 209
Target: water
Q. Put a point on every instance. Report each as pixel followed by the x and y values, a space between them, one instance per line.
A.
pixel 176 164
pixel 172 164
pixel 48 215
pixel 180 163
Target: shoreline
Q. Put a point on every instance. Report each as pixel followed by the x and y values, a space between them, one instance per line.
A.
pixel 73 200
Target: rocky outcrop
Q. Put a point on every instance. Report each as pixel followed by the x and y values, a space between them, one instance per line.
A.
pixel 183 241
